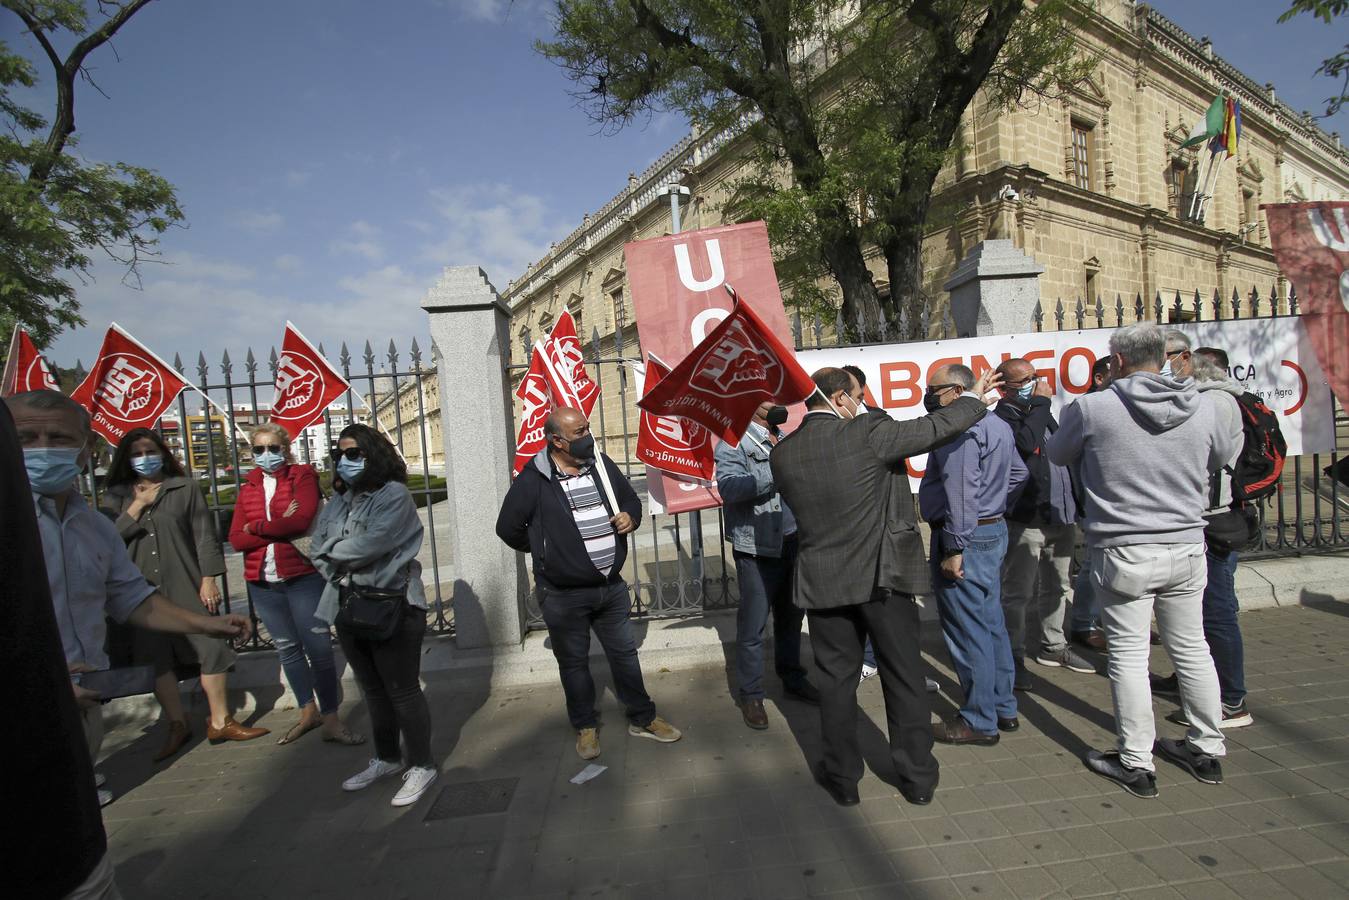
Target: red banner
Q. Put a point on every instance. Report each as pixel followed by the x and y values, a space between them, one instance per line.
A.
pixel 128 387
pixel 567 377
pixel 306 384
pixel 672 445
pixel 1311 245
pixel 737 367
pixel 25 369
pixel 537 404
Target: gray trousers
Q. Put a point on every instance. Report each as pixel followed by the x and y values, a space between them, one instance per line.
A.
pixel 1035 579
pixel 1133 582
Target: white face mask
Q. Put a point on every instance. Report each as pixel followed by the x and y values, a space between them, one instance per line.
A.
pixel 1166 369
pixel 858 408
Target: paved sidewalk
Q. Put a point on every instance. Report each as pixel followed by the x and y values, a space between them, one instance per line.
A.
pixel 729 812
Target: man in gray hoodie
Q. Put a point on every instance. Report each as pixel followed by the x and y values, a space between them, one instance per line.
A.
pixel 1145 449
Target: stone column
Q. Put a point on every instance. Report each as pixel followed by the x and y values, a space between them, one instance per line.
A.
pixel 994 290
pixel 469 325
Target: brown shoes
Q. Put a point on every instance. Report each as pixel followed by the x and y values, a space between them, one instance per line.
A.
pixel 956 730
pixel 179 734
pixel 756 716
pixel 588 743
pixel 232 731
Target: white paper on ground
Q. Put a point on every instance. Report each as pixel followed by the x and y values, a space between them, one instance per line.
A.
pixel 588 773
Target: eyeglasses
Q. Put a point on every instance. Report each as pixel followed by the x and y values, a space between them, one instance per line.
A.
pixel 1176 352
pixel 351 453
pixel 259 449
pixel 1022 383
pixel 938 388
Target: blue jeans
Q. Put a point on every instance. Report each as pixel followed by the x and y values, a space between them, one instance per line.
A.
pixel 570 614
pixel 766 583
pixel 1086 611
pixel 286 608
pixel 974 628
pixel 1221 629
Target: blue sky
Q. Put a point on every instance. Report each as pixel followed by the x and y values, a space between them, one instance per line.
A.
pixel 333 155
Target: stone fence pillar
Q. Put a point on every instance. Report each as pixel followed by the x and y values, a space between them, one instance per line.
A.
pixel 469 327
pixel 994 290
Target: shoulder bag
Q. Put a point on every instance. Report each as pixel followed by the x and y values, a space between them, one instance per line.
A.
pixel 372 614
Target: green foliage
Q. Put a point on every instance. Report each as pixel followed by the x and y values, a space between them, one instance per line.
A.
pixel 58 210
pixel 1337 66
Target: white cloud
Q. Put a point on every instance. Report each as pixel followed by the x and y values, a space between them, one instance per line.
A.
pixel 298 177
pixel 288 262
pixel 259 222
pixel 190 266
pixel 362 239
pixel 492 226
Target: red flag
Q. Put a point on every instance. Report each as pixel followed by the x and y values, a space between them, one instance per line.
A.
pixel 25 369
pixel 533 393
pixel 306 384
pixel 739 365
pixel 566 373
pixel 1311 245
pixel 128 387
pixel 677 446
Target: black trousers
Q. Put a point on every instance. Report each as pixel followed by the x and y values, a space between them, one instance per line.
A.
pixel 837 636
pixel 389 675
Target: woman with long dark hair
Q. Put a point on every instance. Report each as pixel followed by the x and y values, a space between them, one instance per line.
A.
pixel 277 504
pixel 365 544
pixel 171 537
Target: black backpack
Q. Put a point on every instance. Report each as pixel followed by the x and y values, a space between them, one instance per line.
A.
pixel 1256 473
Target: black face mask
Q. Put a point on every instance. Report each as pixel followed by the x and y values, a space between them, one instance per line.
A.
pixel 582 447
pixel 776 416
pixel 932 402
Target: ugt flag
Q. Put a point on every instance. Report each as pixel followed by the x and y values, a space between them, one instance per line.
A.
pixel 306 384
pixel 672 445
pixel 567 378
pixel 537 404
pixel 1311 245
pixel 128 387
pixel 25 369
pixel 739 365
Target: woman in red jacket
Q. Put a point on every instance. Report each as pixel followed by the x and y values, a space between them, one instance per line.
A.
pixel 277 503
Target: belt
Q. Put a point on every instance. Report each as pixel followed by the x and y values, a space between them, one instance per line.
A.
pixel 993 521
pixel 939 524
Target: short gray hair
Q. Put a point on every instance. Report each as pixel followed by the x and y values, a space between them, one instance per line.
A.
pixel 45 399
pixel 1176 340
pixel 1141 344
pixel 1206 369
pixel 961 375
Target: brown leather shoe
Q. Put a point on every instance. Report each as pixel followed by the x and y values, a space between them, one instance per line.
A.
pixel 179 734
pixel 232 731
pixel 756 716
pixel 956 730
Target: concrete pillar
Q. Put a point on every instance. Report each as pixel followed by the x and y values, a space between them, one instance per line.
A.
pixel 994 290
pixel 469 325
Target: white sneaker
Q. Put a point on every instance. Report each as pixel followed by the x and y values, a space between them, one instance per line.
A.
pixel 415 782
pixel 867 672
pixel 100 779
pixel 377 769
pixel 104 797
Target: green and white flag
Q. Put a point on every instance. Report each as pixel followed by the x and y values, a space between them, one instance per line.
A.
pixel 1210 126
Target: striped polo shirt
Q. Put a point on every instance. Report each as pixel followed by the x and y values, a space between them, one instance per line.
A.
pixel 592 519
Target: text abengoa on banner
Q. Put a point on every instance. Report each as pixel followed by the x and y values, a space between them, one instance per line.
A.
pixel 1271 358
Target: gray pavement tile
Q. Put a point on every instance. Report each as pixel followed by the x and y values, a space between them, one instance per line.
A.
pixel 728 857
pixel 829 877
pixel 979 826
pixel 1322 809
pixel 822 846
pixel 1335 834
pixel 772 851
pixel 937 889
pixel 1077 878
pixel 1091 842
pixel 1028 883
pixel 1337 871
pixel 1127 871
pixel 1048 847
pixel 1305 846
pixel 1134 835
pixel 898 835
pixel 1006 853
pixel 915 864
pixel 1173 865
pixel 1020 820
pixel 961 859
pixel 1306 882
pixel 981 886
pixel 1256 819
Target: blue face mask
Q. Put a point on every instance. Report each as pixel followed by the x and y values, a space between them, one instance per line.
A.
pixel 147 466
pixel 1166 369
pixel 51 470
pixel 1024 392
pixel 350 469
pixel 269 462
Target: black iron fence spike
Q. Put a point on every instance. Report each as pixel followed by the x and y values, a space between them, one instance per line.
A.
pixel 1081 313
pixel 178 363
pixel 1255 301
pixel 1292 300
pixel 369 355
pixel 1119 311
pixel 1100 312
pixel 343 356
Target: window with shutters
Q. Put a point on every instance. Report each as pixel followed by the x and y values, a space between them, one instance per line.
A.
pixel 1082 155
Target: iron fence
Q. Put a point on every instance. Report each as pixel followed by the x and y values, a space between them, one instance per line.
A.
pixel 385 392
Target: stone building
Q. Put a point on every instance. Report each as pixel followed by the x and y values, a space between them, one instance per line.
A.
pixel 1095 187
pixel 410 416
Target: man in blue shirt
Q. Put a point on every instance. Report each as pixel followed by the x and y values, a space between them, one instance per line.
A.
pixel 965 492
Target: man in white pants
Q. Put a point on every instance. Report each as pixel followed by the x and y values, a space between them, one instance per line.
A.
pixel 1145 448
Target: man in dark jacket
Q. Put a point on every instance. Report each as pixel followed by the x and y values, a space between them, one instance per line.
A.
pixel 560 510
pixel 859 564
pixel 1041 531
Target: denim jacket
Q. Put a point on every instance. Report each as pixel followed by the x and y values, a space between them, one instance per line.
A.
pixel 750 502
pixel 372 536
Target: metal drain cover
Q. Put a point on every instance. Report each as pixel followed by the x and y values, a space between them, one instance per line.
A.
pixel 472 798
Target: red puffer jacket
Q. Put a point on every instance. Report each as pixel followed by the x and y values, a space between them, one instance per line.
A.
pixel 293 482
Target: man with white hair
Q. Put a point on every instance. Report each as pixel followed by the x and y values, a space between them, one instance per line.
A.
pixel 1145 449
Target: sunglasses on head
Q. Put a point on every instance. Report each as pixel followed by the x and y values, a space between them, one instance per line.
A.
pixel 351 453
pixel 265 448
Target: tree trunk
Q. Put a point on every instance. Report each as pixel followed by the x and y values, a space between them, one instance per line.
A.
pixel 904 266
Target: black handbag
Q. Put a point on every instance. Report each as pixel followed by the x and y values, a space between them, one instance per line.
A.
pixel 372 614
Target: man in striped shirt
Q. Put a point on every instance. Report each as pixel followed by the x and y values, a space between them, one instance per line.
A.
pixel 560 511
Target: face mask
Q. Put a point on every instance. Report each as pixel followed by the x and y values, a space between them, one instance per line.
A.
pixel 1166 369
pixel 269 462
pixel 582 447
pixel 51 470
pixel 932 402
pixel 1024 392
pixel 147 465
pixel 776 416
pixel 350 469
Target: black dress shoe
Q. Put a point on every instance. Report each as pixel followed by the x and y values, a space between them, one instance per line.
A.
pixel 843 796
pixel 1011 723
pixel 956 730
pixel 804 691
pixel 918 798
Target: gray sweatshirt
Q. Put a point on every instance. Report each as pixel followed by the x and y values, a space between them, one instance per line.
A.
pixel 1144 449
pixel 1223 396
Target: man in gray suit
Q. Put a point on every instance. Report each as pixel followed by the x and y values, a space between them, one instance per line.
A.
pixel 860 562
